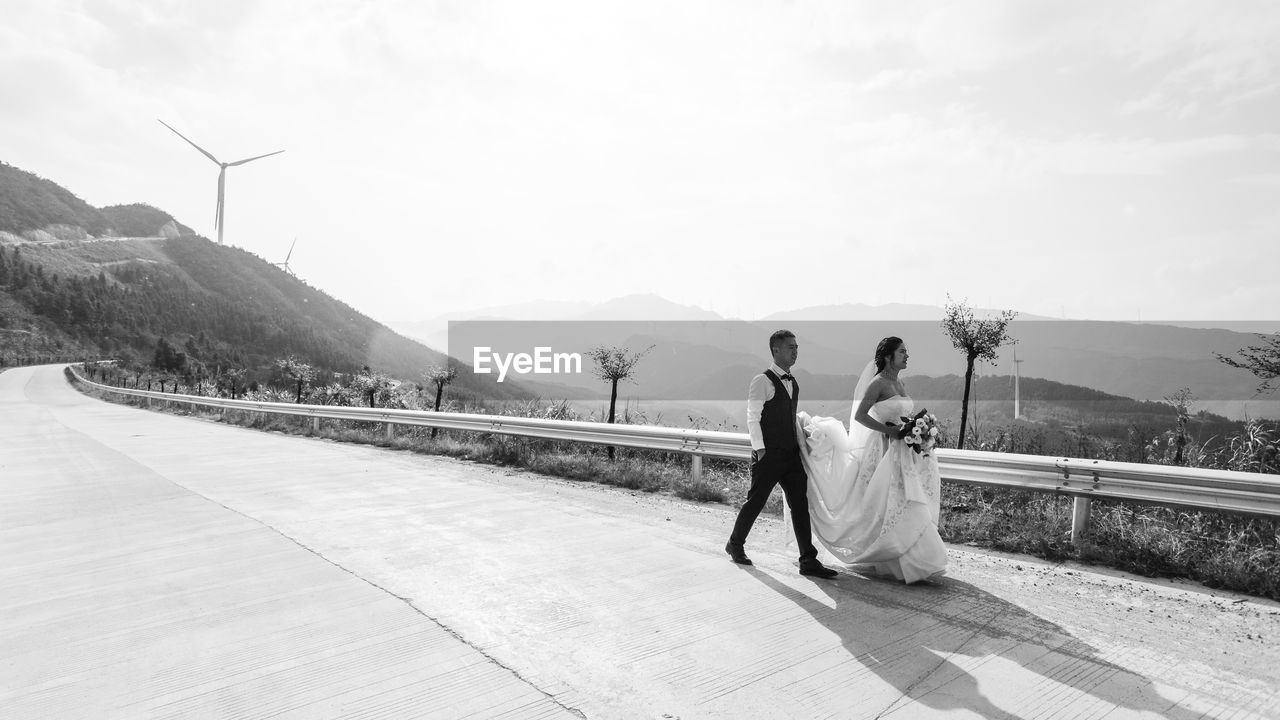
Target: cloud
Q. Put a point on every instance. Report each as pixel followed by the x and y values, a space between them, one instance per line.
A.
pixel 502 136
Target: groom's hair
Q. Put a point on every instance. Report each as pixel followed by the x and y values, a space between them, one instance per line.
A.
pixel 778 337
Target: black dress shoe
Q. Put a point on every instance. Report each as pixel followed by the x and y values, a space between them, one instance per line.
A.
pixel 738 555
pixel 817 569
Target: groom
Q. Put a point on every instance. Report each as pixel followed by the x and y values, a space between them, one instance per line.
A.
pixel 775 455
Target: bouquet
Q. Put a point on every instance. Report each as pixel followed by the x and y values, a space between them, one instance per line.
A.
pixel 920 433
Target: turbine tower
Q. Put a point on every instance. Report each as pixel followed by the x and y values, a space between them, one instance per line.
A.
pixel 222 176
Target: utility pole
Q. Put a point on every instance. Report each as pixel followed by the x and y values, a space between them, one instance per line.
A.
pixel 1017 377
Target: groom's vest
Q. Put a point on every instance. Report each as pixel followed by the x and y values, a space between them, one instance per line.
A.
pixel 778 418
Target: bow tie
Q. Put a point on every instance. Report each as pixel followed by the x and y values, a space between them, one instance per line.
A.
pixel 788 376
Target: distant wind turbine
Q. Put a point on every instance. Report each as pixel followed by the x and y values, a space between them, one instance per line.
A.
pixel 222 176
pixel 285 265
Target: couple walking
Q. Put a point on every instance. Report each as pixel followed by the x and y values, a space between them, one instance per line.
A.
pixel 864 494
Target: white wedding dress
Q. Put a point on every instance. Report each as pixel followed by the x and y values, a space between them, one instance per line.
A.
pixel 872 499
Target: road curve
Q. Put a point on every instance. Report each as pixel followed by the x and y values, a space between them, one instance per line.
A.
pixel 161 566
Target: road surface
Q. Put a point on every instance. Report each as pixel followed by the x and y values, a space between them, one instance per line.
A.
pixel 161 566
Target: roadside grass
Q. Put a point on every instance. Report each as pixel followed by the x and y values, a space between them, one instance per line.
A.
pixel 1220 550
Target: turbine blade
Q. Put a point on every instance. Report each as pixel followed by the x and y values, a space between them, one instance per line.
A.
pixel 184 137
pixel 241 162
pixel 286 257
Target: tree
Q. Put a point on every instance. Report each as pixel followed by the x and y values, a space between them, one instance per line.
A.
pixel 978 340
pixel 231 381
pixel 1181 401
pixel 614 364
pixel 372 385
pixel 298 373
pixel 439 376
pixel 1261 360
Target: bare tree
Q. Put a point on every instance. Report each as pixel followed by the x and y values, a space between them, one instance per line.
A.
pixel 439 376
pixel 978 340
pixel 1181 401
pixel 614 364
pixel 298 373
pixel 1261 360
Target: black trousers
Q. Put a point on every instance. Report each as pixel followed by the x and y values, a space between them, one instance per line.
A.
pixel 779 467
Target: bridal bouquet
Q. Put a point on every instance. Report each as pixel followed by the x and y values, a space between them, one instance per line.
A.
pixel 920 433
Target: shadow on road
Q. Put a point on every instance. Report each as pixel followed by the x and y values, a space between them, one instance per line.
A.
pixel 930 641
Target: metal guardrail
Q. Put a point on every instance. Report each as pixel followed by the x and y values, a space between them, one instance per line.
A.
pixel 1196 488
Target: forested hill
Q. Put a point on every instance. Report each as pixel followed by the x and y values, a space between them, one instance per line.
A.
pixel 71 286
pixel 34 208
pixel 221 306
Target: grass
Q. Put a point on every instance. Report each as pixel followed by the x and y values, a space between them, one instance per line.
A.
pixel 1221 550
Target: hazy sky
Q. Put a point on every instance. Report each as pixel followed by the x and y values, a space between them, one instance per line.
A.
pixel 1095 159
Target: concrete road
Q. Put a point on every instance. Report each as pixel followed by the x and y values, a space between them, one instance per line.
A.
pixel 160 566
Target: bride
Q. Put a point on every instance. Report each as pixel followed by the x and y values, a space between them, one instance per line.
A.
pixel 872 499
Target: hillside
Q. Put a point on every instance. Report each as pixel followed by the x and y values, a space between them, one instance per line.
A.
pixel 69 285
pixel 222 306
pixel 33 208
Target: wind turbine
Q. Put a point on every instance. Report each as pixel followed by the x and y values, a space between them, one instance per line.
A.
pixel 285 265
pixel 222 176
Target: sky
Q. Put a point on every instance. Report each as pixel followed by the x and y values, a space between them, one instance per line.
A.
pixel 1091 160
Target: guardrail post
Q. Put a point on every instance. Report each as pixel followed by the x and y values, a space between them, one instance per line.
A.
pixel 315 424
pixel 390 431
pixel 1080 517
pixel 697 469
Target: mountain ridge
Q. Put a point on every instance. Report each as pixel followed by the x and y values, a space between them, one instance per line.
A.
pixel 67 292
pixel 36 209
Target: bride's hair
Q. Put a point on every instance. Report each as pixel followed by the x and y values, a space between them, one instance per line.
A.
pixel 887 346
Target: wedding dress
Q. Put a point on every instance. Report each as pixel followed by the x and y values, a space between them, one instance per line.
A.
pixel 872 499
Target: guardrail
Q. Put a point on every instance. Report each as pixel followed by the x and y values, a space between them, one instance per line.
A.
pixel 1196 488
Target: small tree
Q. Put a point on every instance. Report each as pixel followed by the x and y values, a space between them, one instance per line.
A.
pixel 439 376
pixel 978 340
pixel 372 385
pixel 1261 360
pixel 614 364
pixel 297 373
pixel 231 381
pixel 1181 401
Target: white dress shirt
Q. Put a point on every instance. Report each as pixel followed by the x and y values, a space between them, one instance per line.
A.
pixel 760 392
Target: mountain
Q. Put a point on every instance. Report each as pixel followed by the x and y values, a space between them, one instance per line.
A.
pixel 33 208
pixel 140 220
pixel 646 307
pixel 222 307
pixel 896 312
pixel 434 332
